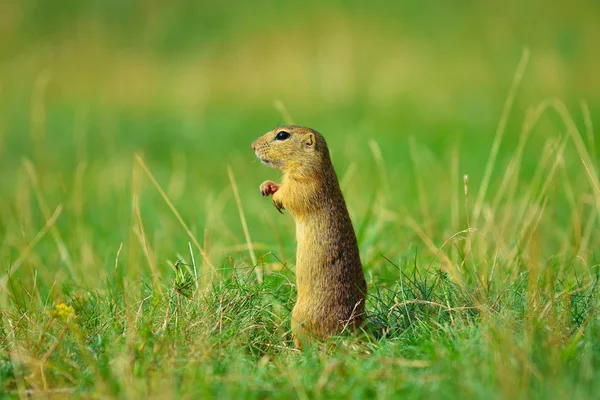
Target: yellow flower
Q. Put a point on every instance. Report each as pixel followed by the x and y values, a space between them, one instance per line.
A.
pixel 63 312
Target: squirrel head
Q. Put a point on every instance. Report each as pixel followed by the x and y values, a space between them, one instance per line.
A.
pixel 295 150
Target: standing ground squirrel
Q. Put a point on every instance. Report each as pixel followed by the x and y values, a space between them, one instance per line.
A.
pixel 329 276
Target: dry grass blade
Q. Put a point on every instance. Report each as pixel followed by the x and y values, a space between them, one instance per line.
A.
pixel 60 243
pixel 594 183
pixel 173 209
pixel 147 250
pixel 499 134
pixel 244 224
pixel 446 264
pixel 376 151
pixel 421 190
pixel 589 128
pixel 584 154
pixel 287 119
pixel 31 245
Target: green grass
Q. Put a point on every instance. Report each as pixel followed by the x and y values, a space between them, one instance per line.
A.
pixel 125 132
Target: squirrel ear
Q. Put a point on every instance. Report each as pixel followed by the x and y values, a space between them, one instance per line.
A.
pixel 309 141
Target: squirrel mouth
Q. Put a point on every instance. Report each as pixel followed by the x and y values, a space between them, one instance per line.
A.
pixel 263 160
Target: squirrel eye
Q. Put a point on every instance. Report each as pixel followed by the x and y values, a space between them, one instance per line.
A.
pixel 282 135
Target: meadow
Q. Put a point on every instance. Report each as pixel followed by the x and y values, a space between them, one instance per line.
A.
pixel 138 259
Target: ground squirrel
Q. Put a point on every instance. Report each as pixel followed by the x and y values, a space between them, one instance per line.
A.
pixel 329 275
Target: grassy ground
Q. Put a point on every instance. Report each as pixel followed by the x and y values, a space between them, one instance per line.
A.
pixel 139 260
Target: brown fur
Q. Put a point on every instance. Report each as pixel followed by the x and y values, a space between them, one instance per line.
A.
pixel 330 280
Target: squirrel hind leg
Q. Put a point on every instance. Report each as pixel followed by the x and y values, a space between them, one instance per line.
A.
pixel 301 335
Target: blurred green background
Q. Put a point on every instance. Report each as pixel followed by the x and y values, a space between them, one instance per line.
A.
pixel 86 84
pixel 409 95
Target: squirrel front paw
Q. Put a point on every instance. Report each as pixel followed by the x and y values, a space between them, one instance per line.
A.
pixel 268 188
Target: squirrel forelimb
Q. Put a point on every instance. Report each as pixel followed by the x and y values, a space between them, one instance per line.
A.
pixel 268 188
